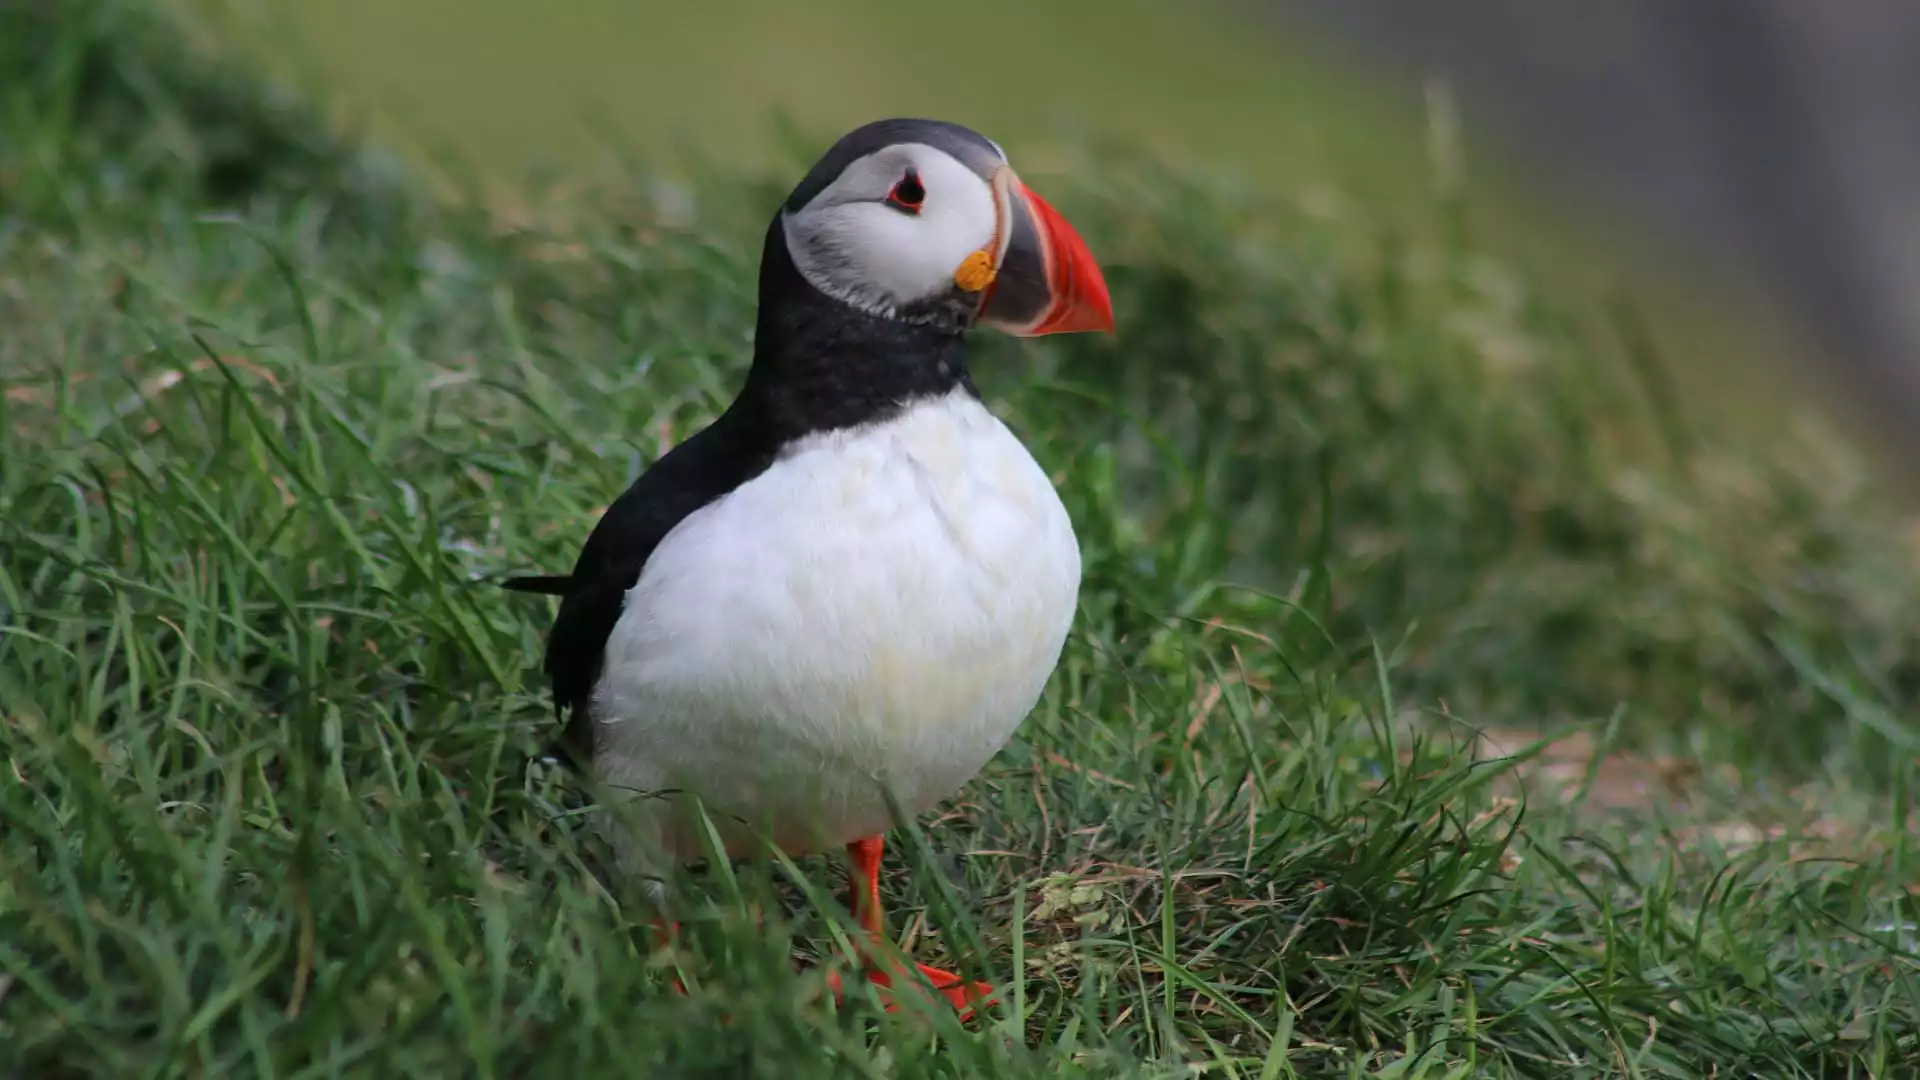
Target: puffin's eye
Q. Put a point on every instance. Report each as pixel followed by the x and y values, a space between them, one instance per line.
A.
pixel 907 194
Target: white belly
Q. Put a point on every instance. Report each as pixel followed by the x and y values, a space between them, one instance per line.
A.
pixel 879 609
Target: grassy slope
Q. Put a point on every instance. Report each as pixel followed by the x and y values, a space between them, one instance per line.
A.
pixel 266 813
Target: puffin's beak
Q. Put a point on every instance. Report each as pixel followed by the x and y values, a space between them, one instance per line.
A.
pixel 1046 281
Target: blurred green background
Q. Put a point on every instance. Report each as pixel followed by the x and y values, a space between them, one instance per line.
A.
pixel 502 90
pixel 509 84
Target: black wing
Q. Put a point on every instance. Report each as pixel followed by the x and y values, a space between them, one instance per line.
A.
pixel 724 455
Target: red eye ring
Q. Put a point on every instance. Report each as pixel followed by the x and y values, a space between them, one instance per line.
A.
pixel 908 194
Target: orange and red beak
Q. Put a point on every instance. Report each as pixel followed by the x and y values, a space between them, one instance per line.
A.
pixel 1047 282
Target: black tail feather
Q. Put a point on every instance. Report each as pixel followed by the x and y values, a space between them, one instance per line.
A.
pixel 545 584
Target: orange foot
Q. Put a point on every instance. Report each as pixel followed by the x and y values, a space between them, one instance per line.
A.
pixel 964 996
pixel 864 855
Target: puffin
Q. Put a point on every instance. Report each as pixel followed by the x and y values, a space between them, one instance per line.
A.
pixel 845 593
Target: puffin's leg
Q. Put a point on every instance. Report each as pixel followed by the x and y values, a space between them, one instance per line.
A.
pixel 864 885
pixel 662 928
pixel 633 832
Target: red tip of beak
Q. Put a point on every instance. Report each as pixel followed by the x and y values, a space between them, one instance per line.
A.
pixel 1080 300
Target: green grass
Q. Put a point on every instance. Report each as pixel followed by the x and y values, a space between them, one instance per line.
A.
pixel 274 418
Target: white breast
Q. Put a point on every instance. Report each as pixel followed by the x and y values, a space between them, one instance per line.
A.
pixel 882 606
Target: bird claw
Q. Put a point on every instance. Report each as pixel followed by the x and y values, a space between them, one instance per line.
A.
pixel 965 997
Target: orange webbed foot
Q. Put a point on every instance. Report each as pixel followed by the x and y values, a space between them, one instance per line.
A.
pixel 965 997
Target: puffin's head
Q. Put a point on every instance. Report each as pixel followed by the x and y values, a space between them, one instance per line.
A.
pixel 924 221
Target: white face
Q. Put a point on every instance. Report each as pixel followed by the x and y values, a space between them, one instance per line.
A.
pixel 861 240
